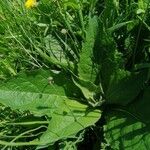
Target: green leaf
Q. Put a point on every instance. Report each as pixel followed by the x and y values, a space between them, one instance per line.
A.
pixel 118 26
pixel 141 107
pixel 85 65
pixel 129 128
pixel 125 87
pixel 108 59
pixel 44 93
pixel 67 125
pixel 88 89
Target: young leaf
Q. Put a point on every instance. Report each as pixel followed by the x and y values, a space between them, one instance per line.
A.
pixel 85 65
pixel 87 88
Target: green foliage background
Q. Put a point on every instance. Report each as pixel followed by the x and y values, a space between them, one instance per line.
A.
pixel 75 75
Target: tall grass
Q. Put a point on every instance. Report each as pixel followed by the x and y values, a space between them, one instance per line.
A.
pixel 33 37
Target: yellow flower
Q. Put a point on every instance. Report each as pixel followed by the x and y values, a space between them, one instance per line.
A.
pixel 30 3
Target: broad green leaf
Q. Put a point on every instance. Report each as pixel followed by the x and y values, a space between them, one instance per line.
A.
pixel 123 90
pixel 129 128
pixel 45 93
pixel 52 46
pixel 124 132
pixel 68 124
pixel 85 66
